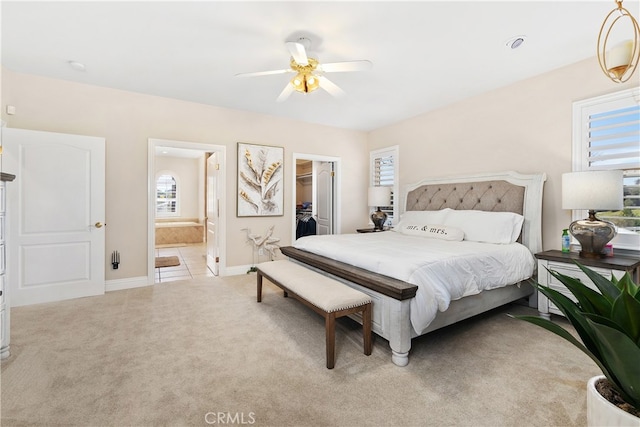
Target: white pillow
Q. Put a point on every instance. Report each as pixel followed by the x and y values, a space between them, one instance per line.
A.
pixel 441 232
pixel 488 227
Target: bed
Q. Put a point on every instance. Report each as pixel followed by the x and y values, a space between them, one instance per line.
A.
pixel 399 293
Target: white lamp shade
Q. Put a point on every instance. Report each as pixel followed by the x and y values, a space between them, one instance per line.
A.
pixel 379 196
pixel 593 190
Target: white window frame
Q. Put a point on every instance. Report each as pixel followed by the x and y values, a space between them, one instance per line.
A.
pixel 393 151
pixel 580 152
pixel 177 179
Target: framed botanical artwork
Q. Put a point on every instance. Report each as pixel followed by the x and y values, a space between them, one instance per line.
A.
pixel 260 180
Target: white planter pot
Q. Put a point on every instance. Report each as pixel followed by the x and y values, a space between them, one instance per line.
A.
pixel 601 412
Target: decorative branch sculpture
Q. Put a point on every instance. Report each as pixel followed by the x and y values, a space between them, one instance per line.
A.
pixel 266 242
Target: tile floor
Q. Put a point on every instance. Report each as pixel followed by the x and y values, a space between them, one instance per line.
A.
pixel 193 263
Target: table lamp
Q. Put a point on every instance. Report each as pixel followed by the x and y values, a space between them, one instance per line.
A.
pixel 379 196
pixel 592 190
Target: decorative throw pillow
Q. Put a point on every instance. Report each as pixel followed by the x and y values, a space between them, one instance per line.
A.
pixel 423 217
pixel 441 232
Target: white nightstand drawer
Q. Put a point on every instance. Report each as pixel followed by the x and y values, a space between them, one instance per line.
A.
pixel 2 228
pixel 2 290
pixel 575 272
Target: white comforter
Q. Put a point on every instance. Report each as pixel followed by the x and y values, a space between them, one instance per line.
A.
pixel 442 270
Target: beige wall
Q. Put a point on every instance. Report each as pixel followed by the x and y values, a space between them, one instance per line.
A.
pixel 187 173
pixel 128 119
pixel 526 127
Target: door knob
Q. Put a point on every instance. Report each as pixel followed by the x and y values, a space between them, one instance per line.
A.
pixel 98 225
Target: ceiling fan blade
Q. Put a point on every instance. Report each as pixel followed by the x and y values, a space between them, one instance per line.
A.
pixel 298 52
pixel 264 73
pixel 331 87
pixel 286 92
pixel 345 66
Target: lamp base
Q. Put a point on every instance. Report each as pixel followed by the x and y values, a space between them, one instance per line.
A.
pixel 584 254
pixel 593 235
pixel 378 218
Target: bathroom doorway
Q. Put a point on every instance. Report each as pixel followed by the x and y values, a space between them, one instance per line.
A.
pixel 178 212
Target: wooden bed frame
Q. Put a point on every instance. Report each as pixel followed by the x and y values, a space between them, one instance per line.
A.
pixel 505 191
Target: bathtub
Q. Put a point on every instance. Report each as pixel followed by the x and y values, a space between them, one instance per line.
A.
pixel 171 232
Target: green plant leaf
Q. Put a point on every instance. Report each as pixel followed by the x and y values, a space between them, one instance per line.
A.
pixel 603 321
pixel 622 357
pixel 626 283
pixel 607 288
pixel 626 313
pixel 590 301
pixel 574 314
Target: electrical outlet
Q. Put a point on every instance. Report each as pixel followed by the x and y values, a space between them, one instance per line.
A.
pixel 261 251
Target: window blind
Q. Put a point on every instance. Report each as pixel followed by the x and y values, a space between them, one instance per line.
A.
pixel 384 176
pixel 614 143
pixel 614 139
pixel 608 137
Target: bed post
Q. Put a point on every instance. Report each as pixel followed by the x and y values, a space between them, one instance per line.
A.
pixel 399 330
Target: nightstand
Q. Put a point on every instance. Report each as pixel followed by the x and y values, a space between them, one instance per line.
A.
pixel 370 230
pixel 563 263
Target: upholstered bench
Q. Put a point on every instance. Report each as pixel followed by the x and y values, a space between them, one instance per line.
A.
pixel 321 293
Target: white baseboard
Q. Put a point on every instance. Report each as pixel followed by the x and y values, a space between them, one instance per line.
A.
pixel 236 270
pixel 128 283
pixel 139 282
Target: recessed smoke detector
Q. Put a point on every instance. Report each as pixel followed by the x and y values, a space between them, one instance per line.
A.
pixel 78 66
pixel 515 42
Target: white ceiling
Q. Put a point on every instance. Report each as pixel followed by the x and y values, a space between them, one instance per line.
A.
pixel 425 54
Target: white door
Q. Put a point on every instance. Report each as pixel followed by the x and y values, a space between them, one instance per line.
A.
pixel 212 213
pixel 56 215
pixel 324 211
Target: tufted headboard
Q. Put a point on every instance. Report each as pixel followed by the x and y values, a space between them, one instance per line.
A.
pixel 495 192
pixel 492 196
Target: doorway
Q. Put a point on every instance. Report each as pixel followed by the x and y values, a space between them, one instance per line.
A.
pixel 315 194
pixel 210 189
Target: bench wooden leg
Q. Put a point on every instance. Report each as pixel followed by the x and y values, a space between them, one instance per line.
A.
pixel 366 329
pixel 259 282
pixel 330 325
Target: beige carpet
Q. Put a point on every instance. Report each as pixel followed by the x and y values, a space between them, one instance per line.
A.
pixel 197 352
pixel 167 261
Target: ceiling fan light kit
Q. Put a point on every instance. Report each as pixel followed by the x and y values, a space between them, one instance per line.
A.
pixel 619 61
pixel 305 81
pixel 309 73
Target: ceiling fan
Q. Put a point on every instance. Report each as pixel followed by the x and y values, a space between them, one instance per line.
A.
pixel 309 72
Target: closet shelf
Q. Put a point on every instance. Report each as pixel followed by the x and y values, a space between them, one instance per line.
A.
pixel 304 178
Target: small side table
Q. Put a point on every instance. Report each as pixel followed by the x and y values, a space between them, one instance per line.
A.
pixel 564 263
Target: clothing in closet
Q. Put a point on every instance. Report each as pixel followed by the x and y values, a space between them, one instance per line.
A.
pixel 306 225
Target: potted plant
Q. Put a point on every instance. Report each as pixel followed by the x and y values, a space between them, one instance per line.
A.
pixel 608 324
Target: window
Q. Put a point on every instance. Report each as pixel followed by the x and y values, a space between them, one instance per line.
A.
pixel 384 173
pixel 166 195
pixel 607 136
